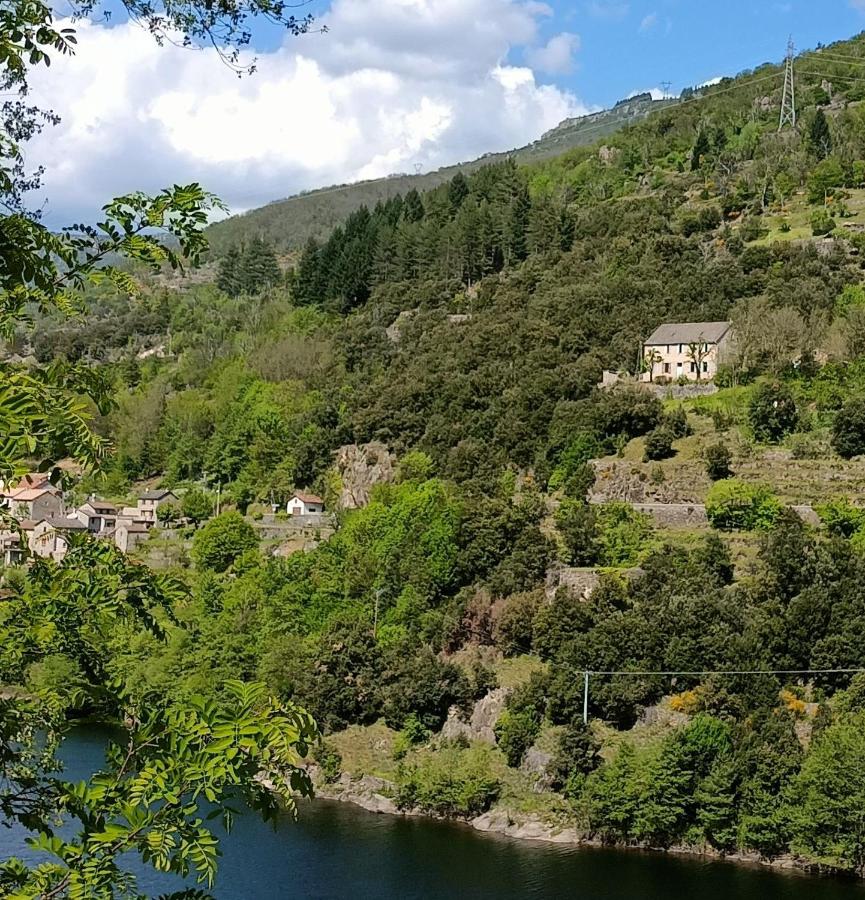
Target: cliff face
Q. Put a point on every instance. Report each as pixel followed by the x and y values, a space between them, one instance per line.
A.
pixel 361 467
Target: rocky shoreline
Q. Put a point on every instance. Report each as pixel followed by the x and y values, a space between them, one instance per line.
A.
pixel 375 795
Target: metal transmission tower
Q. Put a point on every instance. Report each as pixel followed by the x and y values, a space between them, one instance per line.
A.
pixel 665 87
pixel 788 100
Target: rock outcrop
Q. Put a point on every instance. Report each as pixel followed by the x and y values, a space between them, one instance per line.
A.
pixel 361 467
pixel 481 724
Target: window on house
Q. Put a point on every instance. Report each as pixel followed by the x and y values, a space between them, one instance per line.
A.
pixel 705 367
pixel 666 368
pixel 693 368
pixel 680 348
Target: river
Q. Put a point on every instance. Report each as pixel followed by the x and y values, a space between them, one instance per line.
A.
pixel 338 851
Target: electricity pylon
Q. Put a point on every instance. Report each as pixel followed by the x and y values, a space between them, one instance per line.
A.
pixel 788 100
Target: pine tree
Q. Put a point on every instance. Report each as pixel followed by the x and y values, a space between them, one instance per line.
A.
pixel 819 135
pixel 258 268
pixel 458 190
pixel 412 207
pixel 227 278
pixel 701 149
pixel 307 283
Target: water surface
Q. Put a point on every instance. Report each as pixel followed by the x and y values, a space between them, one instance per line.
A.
pixel 338 852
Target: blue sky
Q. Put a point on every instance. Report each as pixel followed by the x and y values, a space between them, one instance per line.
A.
pixel 393 86
pixel 637 44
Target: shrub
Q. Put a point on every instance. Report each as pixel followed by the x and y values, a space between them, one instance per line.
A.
pixel 516 731
pixel 329 759
pixel 513 626
pixel 168 513
pixel 196 506
pixel 659 445
pixel 772 411
pixel 623 534
pixel 578 526
pixel 453 782
pixel 718 460
pixel 629 411
pixel 676 422
pixel 577 754
pixel 413 733
pixel 822 223
pixel 732 504
pixel 222 540
pixel 848 429
pixel 840 517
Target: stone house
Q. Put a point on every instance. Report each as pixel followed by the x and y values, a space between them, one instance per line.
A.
pixel 303 504
pixel 690 350
pixel 49 538
pixel 11 551
pixel 128 535
pixel 150 501
pixel 98 515
pixel 35 502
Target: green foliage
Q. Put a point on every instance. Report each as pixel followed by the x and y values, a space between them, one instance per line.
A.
pixel 772 411
pixel 513 630
pixel 222 540
pixel 515 732
pixel 830 797
pixel 824 181
pixel 168 512
pixel 822 223
pixel 733 504
pixel 196 506
pixel 848 429
pixel 329 759
pixel 453 783
pixel 413 733
pixel 248 270
pixel 659 445
pixel 577 755
pixel 577 523
pixel 718 462
pixel 841 517
pixel 623 534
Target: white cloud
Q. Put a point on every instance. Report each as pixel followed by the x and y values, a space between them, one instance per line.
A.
pixel 715 80
pixel 609 9
pixel 422 82
pixel 649 22
pixel 858 4
pixel 556 57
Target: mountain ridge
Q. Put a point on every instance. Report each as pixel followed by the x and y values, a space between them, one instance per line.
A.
pixel 290 221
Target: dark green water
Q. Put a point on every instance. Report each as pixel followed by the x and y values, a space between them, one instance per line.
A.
pixel 338 851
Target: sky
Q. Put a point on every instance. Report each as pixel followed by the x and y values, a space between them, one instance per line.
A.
pixel 390 86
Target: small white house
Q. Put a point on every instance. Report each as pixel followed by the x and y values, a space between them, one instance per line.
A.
pixel 303 504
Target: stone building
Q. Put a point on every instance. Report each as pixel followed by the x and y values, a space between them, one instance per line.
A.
pixel 690 350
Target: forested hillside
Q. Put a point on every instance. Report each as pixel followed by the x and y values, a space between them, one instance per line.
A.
pixel 289 223
pixel 466 329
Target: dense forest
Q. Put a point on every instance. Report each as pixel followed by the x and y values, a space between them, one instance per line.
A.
pixel 466 328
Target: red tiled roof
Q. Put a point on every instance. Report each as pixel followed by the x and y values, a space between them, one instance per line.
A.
pixel 307 498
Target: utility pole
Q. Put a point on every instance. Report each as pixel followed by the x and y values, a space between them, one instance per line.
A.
pixel 586 698
pixel 665 87
pixel 788 100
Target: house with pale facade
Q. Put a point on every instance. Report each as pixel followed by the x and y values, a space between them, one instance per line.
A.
pixel 34 502
pixel 302 504
pixel 50 537
pixel 689 350
pixel 150 501
pixel 128 535
pixel 98 515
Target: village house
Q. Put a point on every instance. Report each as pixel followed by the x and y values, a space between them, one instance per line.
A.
pixel 128 535
pixel 34 502
pixel 303 504
pixel 11 551
pixel 150 501
pixel 690 350
pixel 50 537
pixel 98 515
